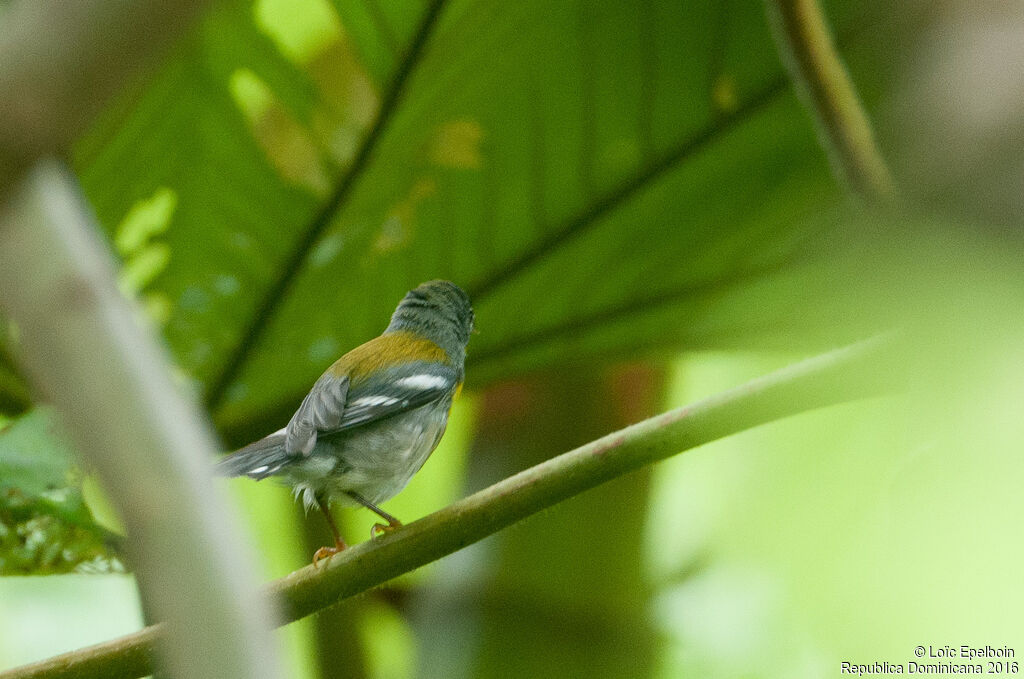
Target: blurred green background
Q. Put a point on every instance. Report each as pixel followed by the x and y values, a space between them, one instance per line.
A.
pixel 637 202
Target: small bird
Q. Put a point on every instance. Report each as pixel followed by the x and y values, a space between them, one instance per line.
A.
pixel 375 416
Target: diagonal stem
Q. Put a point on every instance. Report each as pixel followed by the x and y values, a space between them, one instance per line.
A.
pixel 856 371
pixel 293 264
pixel 814 65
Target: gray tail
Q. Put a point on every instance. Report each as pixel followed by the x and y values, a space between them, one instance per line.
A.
pixel 257 460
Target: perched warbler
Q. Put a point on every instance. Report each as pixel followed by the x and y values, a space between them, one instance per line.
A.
pixel 372 419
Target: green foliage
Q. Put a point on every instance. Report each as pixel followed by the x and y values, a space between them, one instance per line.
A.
pixel 547 156
pixel 45 523
pixel 608 180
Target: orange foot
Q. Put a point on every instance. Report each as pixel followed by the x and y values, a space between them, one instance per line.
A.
pixel 380 528
pixel 327 552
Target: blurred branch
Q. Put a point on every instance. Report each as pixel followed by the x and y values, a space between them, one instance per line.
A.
pixel 60 61
pixel 856 371
pixel 821 78
pixel 83 349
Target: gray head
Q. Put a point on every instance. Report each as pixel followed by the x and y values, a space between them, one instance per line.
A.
pixel 440 311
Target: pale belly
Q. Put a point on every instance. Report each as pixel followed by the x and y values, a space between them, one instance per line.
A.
pixel 375 461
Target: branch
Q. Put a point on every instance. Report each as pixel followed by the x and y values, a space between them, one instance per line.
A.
pixel 83 349
pixel 852 372
pixel 814 65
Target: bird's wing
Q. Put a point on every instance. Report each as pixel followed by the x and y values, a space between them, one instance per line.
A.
pixel 335 405
pixel 321 410
pixel 383 397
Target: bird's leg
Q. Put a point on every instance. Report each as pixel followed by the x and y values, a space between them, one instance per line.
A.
pixel 339 544
pixel 378 528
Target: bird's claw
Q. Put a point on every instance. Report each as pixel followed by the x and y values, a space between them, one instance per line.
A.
pixel 327 553
pixel 382 528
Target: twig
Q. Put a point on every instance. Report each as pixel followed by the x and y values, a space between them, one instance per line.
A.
pixel 814 65
pixel 844 374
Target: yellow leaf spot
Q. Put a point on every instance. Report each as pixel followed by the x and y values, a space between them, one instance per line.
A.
pixel 350 99
pixel 286 142
pixel 311 35
pixel 723 94
pixel 456 144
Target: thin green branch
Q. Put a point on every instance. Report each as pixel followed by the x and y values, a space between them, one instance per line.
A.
pixel 821 78
pixel 852 372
